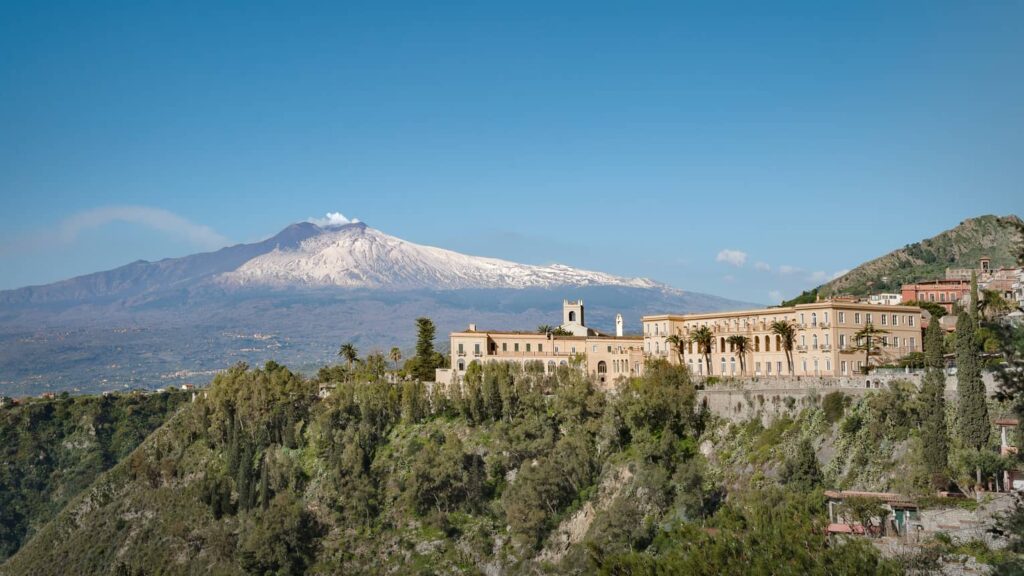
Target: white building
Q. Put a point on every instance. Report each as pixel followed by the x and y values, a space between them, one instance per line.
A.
pixel 886 299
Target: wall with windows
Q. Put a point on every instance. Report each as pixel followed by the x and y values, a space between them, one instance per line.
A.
pixel 824 339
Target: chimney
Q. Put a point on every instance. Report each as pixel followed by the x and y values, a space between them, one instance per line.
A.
pixel 618 325
pixel 472 327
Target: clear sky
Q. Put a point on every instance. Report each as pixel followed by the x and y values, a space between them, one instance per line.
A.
pixel 636 138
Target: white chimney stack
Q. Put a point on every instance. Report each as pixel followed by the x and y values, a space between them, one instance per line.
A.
pixel 618 325
pixel 472 327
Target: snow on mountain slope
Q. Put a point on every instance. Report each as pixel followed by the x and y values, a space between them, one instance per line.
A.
pixel 357 256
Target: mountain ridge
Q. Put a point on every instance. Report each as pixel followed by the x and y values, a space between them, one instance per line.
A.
pixel 997 237
pixel 177 320
pixel 281 261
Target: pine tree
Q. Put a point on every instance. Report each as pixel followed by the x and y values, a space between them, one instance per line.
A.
pixel 934 436
pixel 425 357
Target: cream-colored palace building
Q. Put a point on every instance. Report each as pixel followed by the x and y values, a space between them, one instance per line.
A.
pixel 823 346
pixel 606 358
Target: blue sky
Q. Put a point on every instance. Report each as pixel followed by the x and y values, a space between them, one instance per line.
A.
pixel 641 139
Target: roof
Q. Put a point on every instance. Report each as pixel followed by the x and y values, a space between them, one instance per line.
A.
pixel 890 498
pixel 823 305
pixel 845 529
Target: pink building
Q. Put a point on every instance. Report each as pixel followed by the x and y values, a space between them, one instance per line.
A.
pixel 943 292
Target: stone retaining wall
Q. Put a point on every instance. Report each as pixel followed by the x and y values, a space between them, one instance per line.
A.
pixel 739 399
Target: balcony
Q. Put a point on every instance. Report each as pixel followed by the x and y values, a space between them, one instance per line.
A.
pixel 801 348
pixel 824 325
pixel 826 348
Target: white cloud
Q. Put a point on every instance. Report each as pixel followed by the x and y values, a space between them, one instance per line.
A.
pixel 156 218
pixel 774 296
pixel 68 230
pixel 840 273
pixel 333 219
pixel 786 269
pixel 729 278
pixel 734 257
pixel 762 266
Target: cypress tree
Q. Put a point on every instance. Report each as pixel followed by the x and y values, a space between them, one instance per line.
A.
pixel 934 436
pixel 264 484
pixel 802 470
pixel 244 479
pixel 972 411
pixel 974 298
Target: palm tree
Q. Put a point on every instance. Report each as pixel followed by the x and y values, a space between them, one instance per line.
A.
pixel 703 337
pixel 867 340
pixel 349 352
pixel 544 329
pixel 676 341
pixel 786 332
pixel 740 344
pixel 993 304
pixel 395 355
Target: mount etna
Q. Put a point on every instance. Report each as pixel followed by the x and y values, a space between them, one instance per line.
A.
pixel 294 298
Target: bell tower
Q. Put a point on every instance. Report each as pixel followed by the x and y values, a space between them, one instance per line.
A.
pixel 572 317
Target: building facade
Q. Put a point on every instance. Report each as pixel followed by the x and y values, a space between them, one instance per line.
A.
pixel 825 342
pixel 886 299
pixel 944 292
pixel 604 357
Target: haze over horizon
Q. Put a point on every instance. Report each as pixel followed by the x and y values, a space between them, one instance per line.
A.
pixel 749 153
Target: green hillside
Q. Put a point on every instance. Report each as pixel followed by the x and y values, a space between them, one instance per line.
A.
pixel 524 473
pixel 999 238
pixel 51 450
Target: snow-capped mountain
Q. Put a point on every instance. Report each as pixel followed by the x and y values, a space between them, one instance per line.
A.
pixel 291 298
pixel 357 256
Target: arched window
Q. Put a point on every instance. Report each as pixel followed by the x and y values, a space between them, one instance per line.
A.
pixel 814 318
pixel 732 365
pixel 572 316
pixel 767 343
pixel 563 363
pixel 778 342
pixel 757 344
pixel 814 341
pixel 723 366
pixel 722 349
pixel 602 367
pixel 551 366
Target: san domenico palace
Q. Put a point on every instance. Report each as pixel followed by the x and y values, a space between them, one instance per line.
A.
pixel 824 342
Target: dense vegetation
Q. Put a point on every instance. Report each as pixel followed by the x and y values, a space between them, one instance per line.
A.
pixel 518 470
pixel 50 450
